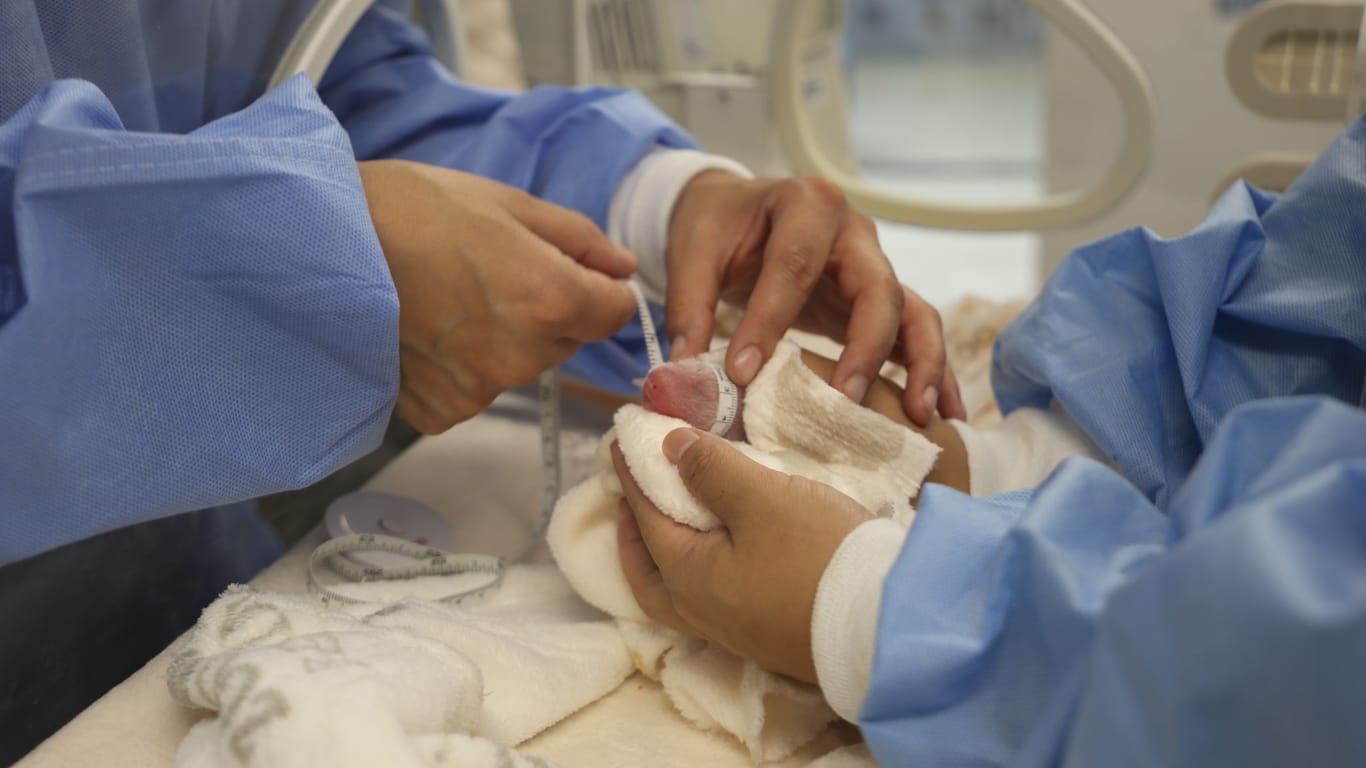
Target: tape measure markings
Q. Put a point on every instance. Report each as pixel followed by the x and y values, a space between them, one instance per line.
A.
pixel 727 402
pixel 426 562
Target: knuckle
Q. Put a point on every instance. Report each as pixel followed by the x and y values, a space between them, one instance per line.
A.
pixel 799 265
pixel 825 191
pixel 863 223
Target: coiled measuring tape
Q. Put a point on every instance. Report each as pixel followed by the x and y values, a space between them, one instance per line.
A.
pixel 433 562
pixel 426 562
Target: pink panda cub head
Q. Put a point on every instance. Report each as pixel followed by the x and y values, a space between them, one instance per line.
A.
pixel 689 390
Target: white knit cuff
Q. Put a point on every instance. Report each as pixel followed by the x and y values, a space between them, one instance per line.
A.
pixel 1020 453
pixel 844 621
pixel 638 218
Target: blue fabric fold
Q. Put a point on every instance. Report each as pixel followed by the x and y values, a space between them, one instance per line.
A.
pixel 194 309
pixel 1206 605
pixel 207 318
pixel 1149 343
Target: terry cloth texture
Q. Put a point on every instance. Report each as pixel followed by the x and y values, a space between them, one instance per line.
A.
pixel 797 424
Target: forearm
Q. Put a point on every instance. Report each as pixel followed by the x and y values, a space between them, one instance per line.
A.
pixel 568 146
pixel 1081 617
pixel 205 318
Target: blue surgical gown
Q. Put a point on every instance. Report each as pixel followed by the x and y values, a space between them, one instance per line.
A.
pixel 194 308
pixel 1206 605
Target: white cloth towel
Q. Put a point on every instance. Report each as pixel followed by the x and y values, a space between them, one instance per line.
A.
pixel 797 424
pixel 414 683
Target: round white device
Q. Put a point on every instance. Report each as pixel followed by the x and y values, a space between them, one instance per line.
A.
pixel 389 515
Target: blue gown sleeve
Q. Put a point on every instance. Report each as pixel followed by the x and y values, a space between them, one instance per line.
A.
pixel 1080 626
pixel 185 320
pixel 570 146
pixel 1206 605
pixel 1263 300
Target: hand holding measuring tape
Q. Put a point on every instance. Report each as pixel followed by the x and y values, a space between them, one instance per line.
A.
pixel 494 286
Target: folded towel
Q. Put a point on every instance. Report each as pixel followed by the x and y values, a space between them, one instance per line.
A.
pixel 852 756
pixel 415 683
pixel 797 424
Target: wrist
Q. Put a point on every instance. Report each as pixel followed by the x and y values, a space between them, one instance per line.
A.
pixel 377 179
pixel 644 204
pixel 845 617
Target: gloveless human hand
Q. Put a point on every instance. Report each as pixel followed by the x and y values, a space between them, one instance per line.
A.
pixel 494 286
pixel 749 586
pixel 793 253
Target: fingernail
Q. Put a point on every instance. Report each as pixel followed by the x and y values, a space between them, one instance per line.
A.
pixel 856 387
pixel 676 348
pixel 627 259
pixel 677 442
pixel 931 398
pixel 747 365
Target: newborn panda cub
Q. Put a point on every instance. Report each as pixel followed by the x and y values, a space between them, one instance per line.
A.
pixel 691 390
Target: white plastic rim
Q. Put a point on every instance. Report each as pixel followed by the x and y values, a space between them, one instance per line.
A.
pixel 1316 71
pixel 1099 43
pixel 316 42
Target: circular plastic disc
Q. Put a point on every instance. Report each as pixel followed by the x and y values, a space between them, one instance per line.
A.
pixel 390 515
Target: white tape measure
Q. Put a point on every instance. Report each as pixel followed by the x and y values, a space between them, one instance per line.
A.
pixel 727 402
pixel 388 515
pixel 368 546
pixel 421 561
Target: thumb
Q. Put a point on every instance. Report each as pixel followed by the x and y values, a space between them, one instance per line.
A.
pixel 575 235
pixel 726 482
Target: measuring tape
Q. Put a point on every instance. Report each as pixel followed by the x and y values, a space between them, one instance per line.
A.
pixel 427 561
pixel 727 394
pixel 727 402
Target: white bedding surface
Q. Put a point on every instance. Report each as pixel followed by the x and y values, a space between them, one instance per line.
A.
pixel 484 476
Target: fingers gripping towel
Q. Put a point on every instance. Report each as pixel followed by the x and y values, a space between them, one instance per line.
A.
pixel 796 424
